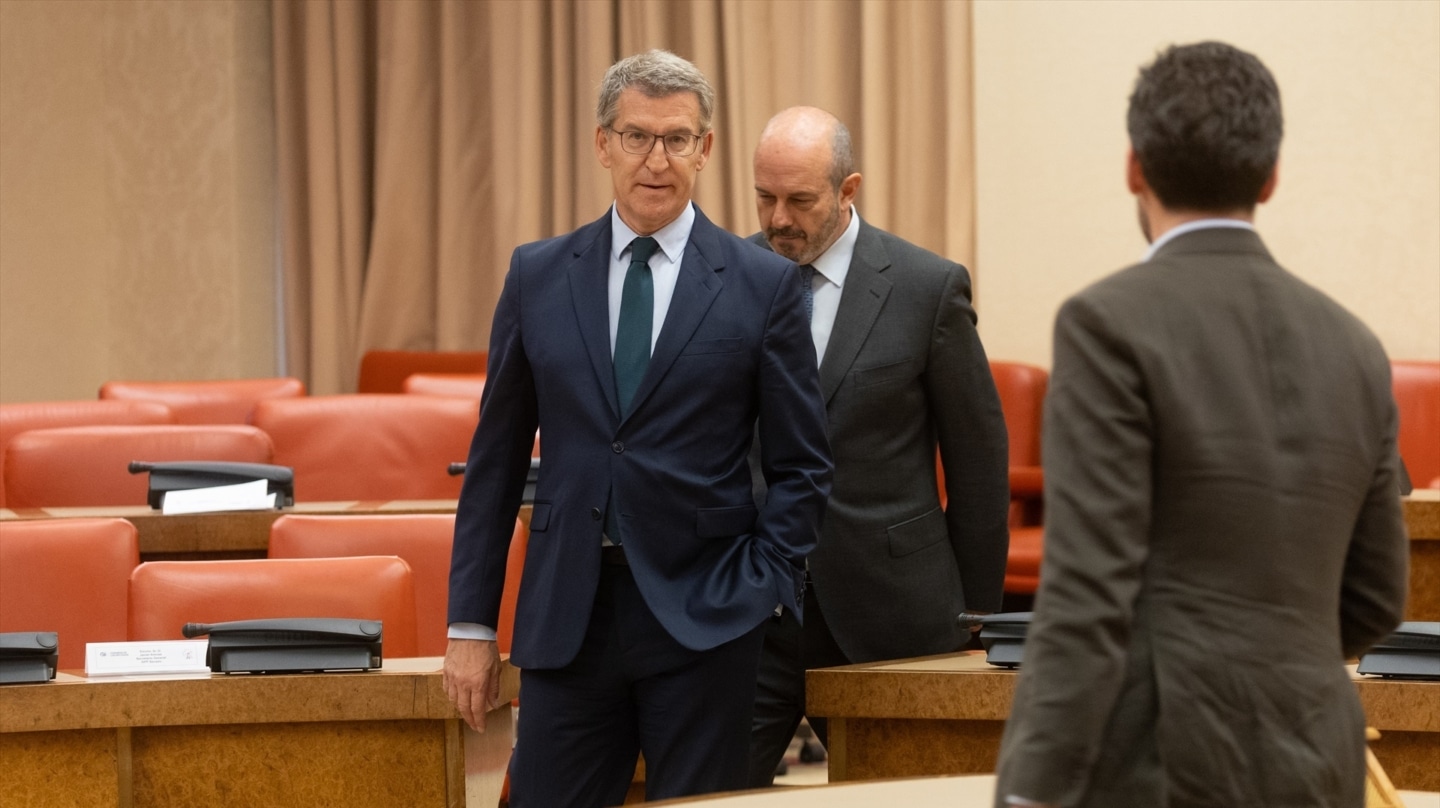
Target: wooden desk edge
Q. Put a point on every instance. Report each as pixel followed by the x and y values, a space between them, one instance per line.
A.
pixel 892 690
pixel 405 689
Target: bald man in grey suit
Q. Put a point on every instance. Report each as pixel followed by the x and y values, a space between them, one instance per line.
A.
pixel 902 372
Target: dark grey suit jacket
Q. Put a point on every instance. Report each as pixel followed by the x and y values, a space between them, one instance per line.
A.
pixel 1222 530
pixel 903 372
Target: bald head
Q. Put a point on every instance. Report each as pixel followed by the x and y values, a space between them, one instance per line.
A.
pixel 811 130
pixel 805 182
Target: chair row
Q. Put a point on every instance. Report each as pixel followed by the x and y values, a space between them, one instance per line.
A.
pixel 347 447
pixel 230 401
pixel 83 579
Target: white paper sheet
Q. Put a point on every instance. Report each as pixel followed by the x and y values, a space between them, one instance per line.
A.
pixel 251 496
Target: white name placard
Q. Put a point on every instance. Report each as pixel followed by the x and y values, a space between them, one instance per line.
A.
pixel 146 656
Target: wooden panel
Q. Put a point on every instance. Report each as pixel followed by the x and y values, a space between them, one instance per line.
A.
pixel 355 764
pixel 944 714
pixel 1422 520
pixel 60 769
pixel 910 747
pixel 348 739
pixel 1410 759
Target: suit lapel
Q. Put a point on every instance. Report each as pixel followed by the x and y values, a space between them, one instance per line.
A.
pixel 590 295
pixel 860 302
pixel 695 289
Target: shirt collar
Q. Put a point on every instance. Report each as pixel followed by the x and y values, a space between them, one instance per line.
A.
pixel 1190 227
pixel 671 237
pixel 834 263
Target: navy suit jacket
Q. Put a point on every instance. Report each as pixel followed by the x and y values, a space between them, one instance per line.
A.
pixel 734 350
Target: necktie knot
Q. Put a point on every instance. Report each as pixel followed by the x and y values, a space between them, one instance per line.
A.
pixel 642 248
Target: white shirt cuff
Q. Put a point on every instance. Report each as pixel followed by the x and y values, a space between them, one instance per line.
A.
pixel 470 631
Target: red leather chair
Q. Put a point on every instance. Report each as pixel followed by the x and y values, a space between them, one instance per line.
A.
pixel 225 401
pixel 467 385
pixel 1022 399
pixel 386 371
pixel 17 418
pixel 370 447
pixel 89 465
pixel 1416 385
pixel 165 595
pixel 514 568
pixel 70 576
pixel 423 540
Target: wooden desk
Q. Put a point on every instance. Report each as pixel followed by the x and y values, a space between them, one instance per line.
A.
pixel 945 714
pixel 967 791
pixel 236 534
pixel 383 738
pixel 972 791
pixel 1422 520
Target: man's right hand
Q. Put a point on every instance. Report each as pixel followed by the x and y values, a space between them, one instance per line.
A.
pixel 472 679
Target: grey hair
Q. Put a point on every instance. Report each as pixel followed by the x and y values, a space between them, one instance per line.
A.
pixel 842 155
pixel 656 73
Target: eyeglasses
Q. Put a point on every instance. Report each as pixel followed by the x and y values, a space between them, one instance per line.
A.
pixel 679 144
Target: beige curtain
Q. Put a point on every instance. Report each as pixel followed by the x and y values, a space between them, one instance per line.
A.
pixel 420 142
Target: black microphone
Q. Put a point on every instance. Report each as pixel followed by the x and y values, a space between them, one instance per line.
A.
pixel 192 630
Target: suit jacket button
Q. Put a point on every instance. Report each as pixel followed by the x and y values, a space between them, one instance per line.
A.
pixel 617 447
pixel 595 514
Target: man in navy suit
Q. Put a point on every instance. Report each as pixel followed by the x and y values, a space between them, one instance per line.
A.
pixel 646 346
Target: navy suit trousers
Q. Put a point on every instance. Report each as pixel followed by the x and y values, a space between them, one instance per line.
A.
pixel 633 689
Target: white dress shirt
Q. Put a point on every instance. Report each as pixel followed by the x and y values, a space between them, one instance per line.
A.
pixel 830 270
pixel 1190 227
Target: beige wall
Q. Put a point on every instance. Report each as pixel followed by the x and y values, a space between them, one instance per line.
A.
pixel 136 185
pixel 1357 212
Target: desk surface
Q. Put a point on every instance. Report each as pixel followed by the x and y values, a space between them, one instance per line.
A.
pixel 960 791
pixel 964 686
pixel 233 533
pixel 403 689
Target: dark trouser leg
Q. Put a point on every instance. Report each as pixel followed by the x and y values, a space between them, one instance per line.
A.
pixel 694 720
pixel 779 698
pixel 819 650
pixel 576 741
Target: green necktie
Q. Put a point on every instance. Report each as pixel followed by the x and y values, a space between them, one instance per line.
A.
pixel 632 343
pixel 632 334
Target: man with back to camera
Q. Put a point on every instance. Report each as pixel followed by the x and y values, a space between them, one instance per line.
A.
pixel 1222 525
pixel 645 346
pixel 901 370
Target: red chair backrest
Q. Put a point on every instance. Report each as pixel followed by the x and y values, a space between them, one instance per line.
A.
pixel 468 385
pixel 1022 399
pixel 423 540
pixel 17 418
pixel 70 576
pixel 223 401
pixel 386 371
pixel 165 595
pixel 1416 385
pixel 370 447
pixel 514 568
pixel 89 465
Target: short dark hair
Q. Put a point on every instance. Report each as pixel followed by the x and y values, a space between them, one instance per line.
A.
pixel 1205 125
